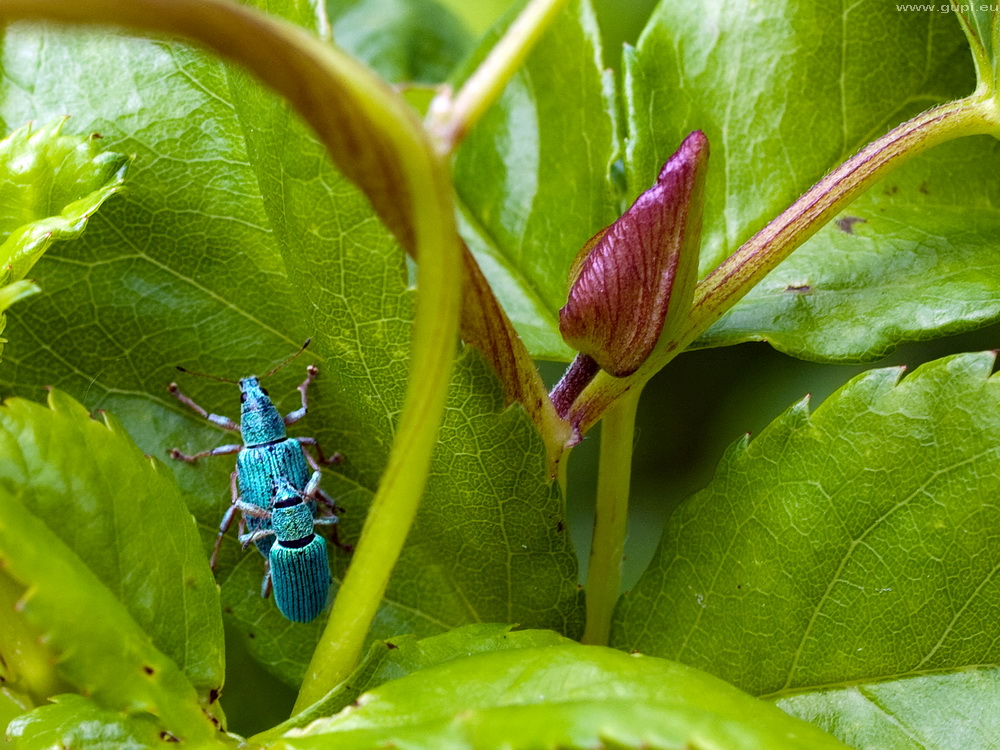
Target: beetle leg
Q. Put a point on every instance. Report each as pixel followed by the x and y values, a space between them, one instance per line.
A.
pixel 295 416
pixel 312 486
pixel 265 586
pixel 222 450
pixel 336 458
pixel 217 419
pixel 335 540
pixel 328 502
pixel 227 519
pixel 249 509
pixel 248 539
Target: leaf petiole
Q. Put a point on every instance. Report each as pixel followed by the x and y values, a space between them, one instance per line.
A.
pixel 451 118
pixel 604 573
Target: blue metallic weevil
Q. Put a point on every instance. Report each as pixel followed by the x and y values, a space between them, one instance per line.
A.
pixel 297 563
pixel 266 457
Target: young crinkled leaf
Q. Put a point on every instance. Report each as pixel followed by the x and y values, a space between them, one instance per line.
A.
pixel 50 184
pixel 559 696
pixel 115 580
pixel 844 563
pixel 916 256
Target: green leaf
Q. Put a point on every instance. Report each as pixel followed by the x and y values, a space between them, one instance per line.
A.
pixel 14 292
pixel 391 659
pixel 854 546
pixel 52 183
pixel 566 696
pixel 232 205
pixel 825 83
pixel 929 712
pixel 115 578
pixel 404 41
pixel 533 176
pixel 73 721
pixel 12 705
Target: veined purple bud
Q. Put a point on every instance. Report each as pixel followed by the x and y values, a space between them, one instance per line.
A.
pixel 633 282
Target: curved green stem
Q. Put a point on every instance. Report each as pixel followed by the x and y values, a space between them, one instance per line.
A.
pixel 401 487
pixel 449 118
pixel 604 572
pixel 759 255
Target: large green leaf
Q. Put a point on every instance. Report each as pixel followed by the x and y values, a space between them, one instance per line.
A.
pixel 825 80
pixel 232 207
pixel 845 553
pixel 533 177
pixel 115 578
pixel 559 696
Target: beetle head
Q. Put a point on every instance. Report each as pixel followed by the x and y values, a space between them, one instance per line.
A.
pixel 260 421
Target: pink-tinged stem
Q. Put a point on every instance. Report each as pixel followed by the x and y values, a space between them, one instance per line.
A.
pixel 577 377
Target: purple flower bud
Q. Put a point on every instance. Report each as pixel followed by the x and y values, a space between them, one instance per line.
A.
pixel 634 280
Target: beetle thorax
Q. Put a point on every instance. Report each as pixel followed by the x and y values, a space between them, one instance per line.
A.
pixel 260 421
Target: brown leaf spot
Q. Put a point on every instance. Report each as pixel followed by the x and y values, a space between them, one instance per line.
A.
pixel 846 223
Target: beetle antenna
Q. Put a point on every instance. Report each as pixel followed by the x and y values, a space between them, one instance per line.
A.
pixel 285 362
pixel 205 375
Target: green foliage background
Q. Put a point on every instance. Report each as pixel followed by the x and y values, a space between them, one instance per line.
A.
pixel 237 293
